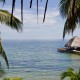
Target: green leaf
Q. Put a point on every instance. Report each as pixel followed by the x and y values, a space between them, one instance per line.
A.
pixel 5 18
pixel 3 54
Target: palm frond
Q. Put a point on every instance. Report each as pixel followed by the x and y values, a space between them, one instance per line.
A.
pixel 5 18
pixel 37 10
pixel 64 6
pixel 79 74
pixel 70 69
pixel 13 7
pixel 67 74
pixel 3 54
pixel 3 1
pixel 73 7
pixel 22 11
pixel 71 74
pixel 31 3
pixel 70 25
pixel 79 77
pixel 79 71
pixel 70 9
pixel 45 10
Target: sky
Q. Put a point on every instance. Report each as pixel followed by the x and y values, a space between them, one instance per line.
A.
pixel 51 29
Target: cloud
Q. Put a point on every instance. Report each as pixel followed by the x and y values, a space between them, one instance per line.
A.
pixel 31 29
pixel 30 16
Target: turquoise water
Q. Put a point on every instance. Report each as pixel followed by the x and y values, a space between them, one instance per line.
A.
pixel 38 60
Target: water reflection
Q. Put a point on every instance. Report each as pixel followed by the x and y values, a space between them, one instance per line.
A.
pixel 75 60
pixel 75 56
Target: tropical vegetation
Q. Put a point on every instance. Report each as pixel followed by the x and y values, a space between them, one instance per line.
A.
pixel 71 74
pixel 70 9
pixel 15 78
pixel 11 21
pixel 31 2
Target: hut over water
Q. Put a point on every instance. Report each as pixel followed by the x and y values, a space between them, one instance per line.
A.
pixel 73 45
pixel 73 42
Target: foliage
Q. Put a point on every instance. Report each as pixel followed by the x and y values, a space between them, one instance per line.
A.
pixel 31 1
pixel 15 78
pixel 71 74
pixel 5 18
pixel 3 54
pixel 70 10
pixel 6 79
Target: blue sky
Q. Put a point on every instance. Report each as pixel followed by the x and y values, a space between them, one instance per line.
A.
pixel 50 30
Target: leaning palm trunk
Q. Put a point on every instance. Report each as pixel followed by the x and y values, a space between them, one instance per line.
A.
pixel 5 18
pixel 3 54
pixel 11 21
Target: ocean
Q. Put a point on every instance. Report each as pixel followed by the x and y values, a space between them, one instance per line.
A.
pixel 37 59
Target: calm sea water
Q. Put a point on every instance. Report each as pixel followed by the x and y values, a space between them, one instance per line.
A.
pixel 38 60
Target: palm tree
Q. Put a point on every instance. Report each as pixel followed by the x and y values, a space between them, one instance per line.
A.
pixel 5 18
pixel 70 9
pixel 71 74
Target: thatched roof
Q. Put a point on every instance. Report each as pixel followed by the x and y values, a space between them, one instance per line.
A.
pixel 73 42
